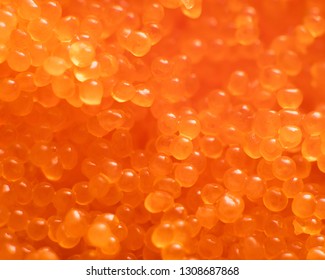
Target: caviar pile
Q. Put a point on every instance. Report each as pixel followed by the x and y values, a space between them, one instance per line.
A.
pixel 162 129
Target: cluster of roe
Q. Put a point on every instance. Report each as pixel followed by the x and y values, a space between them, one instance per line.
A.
pixel 162 129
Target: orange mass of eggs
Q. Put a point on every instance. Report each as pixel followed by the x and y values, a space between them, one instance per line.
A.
pixel 162 129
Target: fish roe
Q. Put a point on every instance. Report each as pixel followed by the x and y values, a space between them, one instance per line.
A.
pixel 274 199
pixel 230 207
pixel 303 204
pixel 168 129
